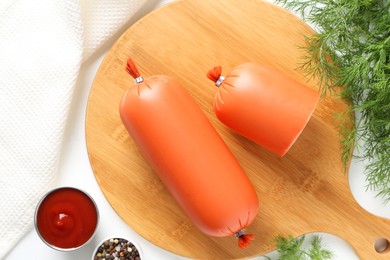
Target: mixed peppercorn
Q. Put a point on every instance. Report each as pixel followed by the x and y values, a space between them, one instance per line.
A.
pixel 117 249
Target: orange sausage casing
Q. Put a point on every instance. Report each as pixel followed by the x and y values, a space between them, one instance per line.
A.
pixel 263 105
pixel 189 156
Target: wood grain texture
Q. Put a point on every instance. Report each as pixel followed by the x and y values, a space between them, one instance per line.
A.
pixel 304 191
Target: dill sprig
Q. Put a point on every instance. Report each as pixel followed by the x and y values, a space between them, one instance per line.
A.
pixel 351 48
pixel 290 248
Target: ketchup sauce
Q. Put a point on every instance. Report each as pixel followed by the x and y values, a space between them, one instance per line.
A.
pixel 66 218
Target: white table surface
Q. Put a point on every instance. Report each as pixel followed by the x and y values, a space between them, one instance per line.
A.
pixel 75 170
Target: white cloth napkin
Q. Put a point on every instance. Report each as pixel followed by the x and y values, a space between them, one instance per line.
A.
pixel 42 46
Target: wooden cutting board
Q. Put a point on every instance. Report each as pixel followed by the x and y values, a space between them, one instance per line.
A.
pixel 305 191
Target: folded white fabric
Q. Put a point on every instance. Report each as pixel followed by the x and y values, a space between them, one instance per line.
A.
pixel 42 46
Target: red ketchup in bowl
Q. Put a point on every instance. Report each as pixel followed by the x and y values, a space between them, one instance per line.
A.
pixel 66 218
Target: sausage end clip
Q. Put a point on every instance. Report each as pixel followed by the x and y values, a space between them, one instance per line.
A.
pixel 244 240
pixel 131 68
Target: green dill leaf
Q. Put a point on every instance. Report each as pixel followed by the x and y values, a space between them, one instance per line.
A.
pixel 351 48
pixel 290 248
pixel 316 251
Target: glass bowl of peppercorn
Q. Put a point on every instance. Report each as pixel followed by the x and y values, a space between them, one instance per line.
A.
pixel 116 248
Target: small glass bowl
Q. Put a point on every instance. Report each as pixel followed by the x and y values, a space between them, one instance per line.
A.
pixel 112 247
